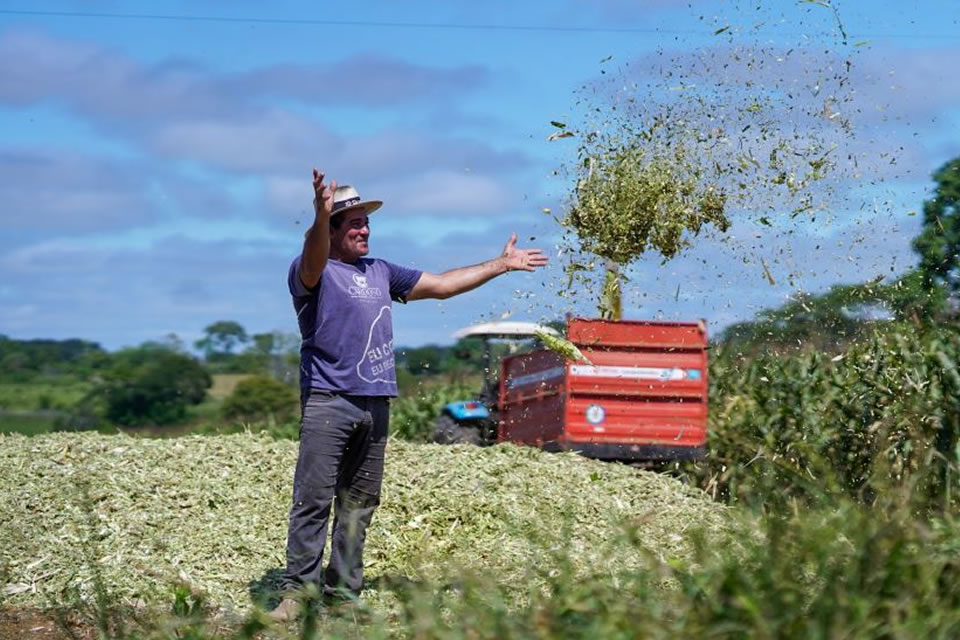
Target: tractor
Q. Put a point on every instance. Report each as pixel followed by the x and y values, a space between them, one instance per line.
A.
pixel 639 394
pixel 475 421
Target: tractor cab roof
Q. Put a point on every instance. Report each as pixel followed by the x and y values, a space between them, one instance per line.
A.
pixel 515 330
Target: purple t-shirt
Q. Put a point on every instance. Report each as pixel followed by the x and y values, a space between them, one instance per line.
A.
pixel 347 326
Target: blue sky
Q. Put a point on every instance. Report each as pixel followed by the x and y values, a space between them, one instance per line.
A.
pixel 155 170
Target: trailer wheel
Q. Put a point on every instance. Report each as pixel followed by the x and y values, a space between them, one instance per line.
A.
pixel 446 430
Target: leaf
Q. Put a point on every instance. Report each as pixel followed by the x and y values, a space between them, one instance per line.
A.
pixel 559 125
pixel 721 30
pixel 561 134
pixel 766 270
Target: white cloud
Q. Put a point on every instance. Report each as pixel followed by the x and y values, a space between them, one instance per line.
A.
pixel 450 193
pixel 52 256
pixel 107 85
pixel 266 142
pixel 287 196
pixel 59 191
pixel 70 192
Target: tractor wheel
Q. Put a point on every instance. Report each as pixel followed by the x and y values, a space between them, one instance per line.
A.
pixel 446 430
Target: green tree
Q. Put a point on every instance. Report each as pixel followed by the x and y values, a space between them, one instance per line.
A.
pixel 222 338
pixel 939 242
pixel 260 398
pixel 24 360
pixel 264 343
pixel 275 353
pixel 150 385
pixel 470 351
pixel 173 342
pixel 423 360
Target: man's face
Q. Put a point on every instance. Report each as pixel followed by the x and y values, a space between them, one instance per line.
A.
pixel 350 240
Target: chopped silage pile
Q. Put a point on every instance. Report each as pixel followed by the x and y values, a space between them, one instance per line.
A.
pixel 212 511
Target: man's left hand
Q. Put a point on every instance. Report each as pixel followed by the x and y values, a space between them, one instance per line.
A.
pixel 521 259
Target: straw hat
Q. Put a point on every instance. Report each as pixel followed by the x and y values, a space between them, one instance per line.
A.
pixel 346 198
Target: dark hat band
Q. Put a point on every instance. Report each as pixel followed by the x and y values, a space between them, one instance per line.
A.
pixel 345 203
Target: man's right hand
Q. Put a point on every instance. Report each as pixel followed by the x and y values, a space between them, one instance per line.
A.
pixel 323 195
pixel 316 244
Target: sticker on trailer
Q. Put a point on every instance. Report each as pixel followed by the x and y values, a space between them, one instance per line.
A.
pixel 539 376
pixel 595 414
pixel 635 373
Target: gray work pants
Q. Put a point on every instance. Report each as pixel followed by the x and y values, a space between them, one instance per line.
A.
pixel 340 466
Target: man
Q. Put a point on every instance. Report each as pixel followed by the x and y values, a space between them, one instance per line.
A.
pixel 343 304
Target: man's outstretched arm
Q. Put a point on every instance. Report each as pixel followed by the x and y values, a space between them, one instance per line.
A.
pixel 316 246
pixel 456 281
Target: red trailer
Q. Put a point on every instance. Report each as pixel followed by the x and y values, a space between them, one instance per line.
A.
pixel 642 397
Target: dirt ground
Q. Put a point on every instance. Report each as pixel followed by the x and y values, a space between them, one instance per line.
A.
pixel 40 625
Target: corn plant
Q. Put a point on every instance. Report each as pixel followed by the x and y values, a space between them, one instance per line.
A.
pixel 885 413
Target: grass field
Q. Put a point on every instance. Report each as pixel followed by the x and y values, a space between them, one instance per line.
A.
pixel 45 394
pixel 29 408
pixel 224 384
pixel 35 407
pixel 28 423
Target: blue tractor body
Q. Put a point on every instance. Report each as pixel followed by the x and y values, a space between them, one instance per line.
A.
pixel 467 410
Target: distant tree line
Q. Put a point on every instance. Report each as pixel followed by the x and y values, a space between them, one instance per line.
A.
pixel 26 360
pixel 157 382
pixel 228 348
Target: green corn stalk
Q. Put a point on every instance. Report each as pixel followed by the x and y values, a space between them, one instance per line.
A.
pixel 611 303
pixel 561 346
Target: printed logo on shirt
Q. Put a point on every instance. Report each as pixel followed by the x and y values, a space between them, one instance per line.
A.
pixel 359 288
pixel 377 362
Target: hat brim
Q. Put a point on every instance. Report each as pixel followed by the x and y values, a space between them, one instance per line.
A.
pixel 368 207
